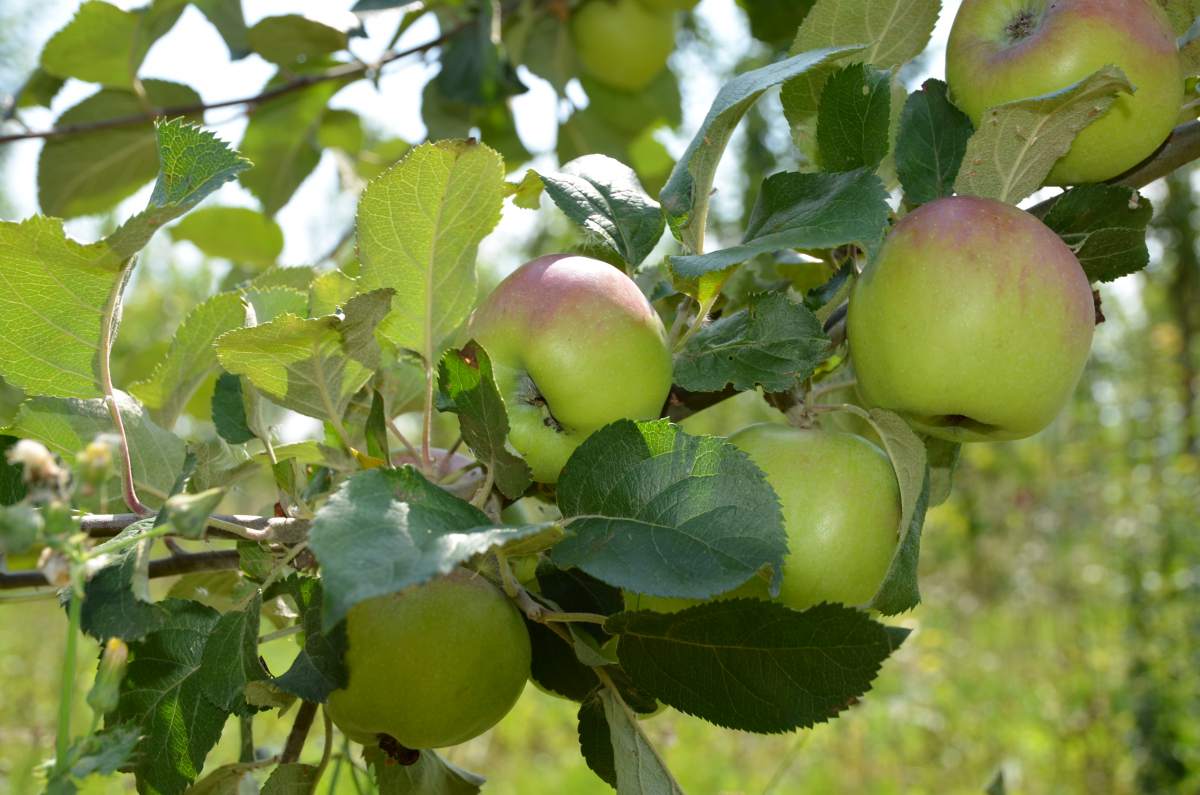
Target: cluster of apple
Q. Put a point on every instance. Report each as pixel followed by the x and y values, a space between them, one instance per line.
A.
pixel 973 322
pixel 624 44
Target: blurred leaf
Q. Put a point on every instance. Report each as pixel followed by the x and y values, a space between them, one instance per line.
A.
pixel 795 210
pixel 467 387
pixel 474 70
pixel 775 21
pixel 419 228
pixel 235 778
pixel 554 666
pixel 542 43
pixel 632 113
pixel 888 32
pixel 931 144
pixel 292 778
pixel 1017 143
pixel 430 775
pixel 656 511
pixel 752 665
pixel 1181 13
pixel 773 343
pixel 595 741
pixel 39 89
pixel 281 140
pixel 604 196
pixel 164 693
pixel 1105 225
pixel 103 753
pixel 12 486
pixel 852 123
pixel 104 44
pixel 943 460
pixel 313 366
pixel 66 426
pixel 686 195
pixel 239 234
pixel 386 529
pixel 380 156
pixel 85 174
pixel 899 590
pixel 637 765
pixel 226 16
pixel 188 513
pixel 191 358
pixel 341 129
pixel 319 668
pixel 293 39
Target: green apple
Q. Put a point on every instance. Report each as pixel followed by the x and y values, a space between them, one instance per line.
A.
pixel 622 43
pixel 841 510
pixel 574 346
pixel 433 665
pixel 974 321
pixel 1004 50
pixel 669 6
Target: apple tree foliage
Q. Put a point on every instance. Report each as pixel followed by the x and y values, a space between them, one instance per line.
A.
pixel 641 506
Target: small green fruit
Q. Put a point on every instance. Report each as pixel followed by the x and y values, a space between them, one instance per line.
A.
pixel 841 510
pixel 621 43
pixel 433 665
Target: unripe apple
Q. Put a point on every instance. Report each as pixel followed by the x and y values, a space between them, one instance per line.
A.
pixel 841 510
pixel 974 321
pixel 433 665
pixel 1005 50
pixel 574 346
pixel 622 43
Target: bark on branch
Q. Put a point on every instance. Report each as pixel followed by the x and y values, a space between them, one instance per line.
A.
pixel 215 560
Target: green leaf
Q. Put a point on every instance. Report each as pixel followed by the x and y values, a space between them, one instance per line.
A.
pixel 753 665
pixel 191 359
pixel 656 511
pixel 313 366
pixel 773 343
pixel 39 89
pixel 419 227
pixel 807 211
pixel 637 765
pixel 240 234
pixel 111 608
pixel 943 460
pixel 292 779
pixel 229 410
pixel 66 426
pixel 330 291
pixel 293 39
pixel 468 388
pixel 931 144
pixel 775 21
pixel 164 694
pixel 51 308
pixel 686 195
pixel 430 775
pixel 1105 225
pixel 888 32
pixel 341 129
pixel 899 590
pixel 85 174
pixel 1017 143
pixel 555 667
pixel 281 139
pixel 1189 53
pixel 230 659
pixel 603 196
pixel 656 104
pixel 475 71
pixel 12 485
pixel 226 16
pixel 104 44
pixel 1181 13
pixel 103 753
pixel 595 741
pixel 319 668
pixel 852 124
pixel 386 529
pixel 235 778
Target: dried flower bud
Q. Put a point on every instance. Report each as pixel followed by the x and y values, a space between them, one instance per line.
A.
pixel 41 467
pixel 55 568
pixel 96 460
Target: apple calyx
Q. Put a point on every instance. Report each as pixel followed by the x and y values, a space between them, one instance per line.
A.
pixel 398 753
pixel 1023 25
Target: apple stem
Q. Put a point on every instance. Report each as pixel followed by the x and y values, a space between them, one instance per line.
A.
pixel 400 437
pixel 427 430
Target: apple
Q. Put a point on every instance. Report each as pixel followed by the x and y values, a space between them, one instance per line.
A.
pixel 622 43
pixel 1004 50
pixel 574 346
pixel 973 322
pixel 841 510
pixel 669 6
pixel 433 665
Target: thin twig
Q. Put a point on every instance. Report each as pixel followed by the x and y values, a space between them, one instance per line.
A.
pixel 215 560
pixel 299 733
pixel 277 529
pixel 344 72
